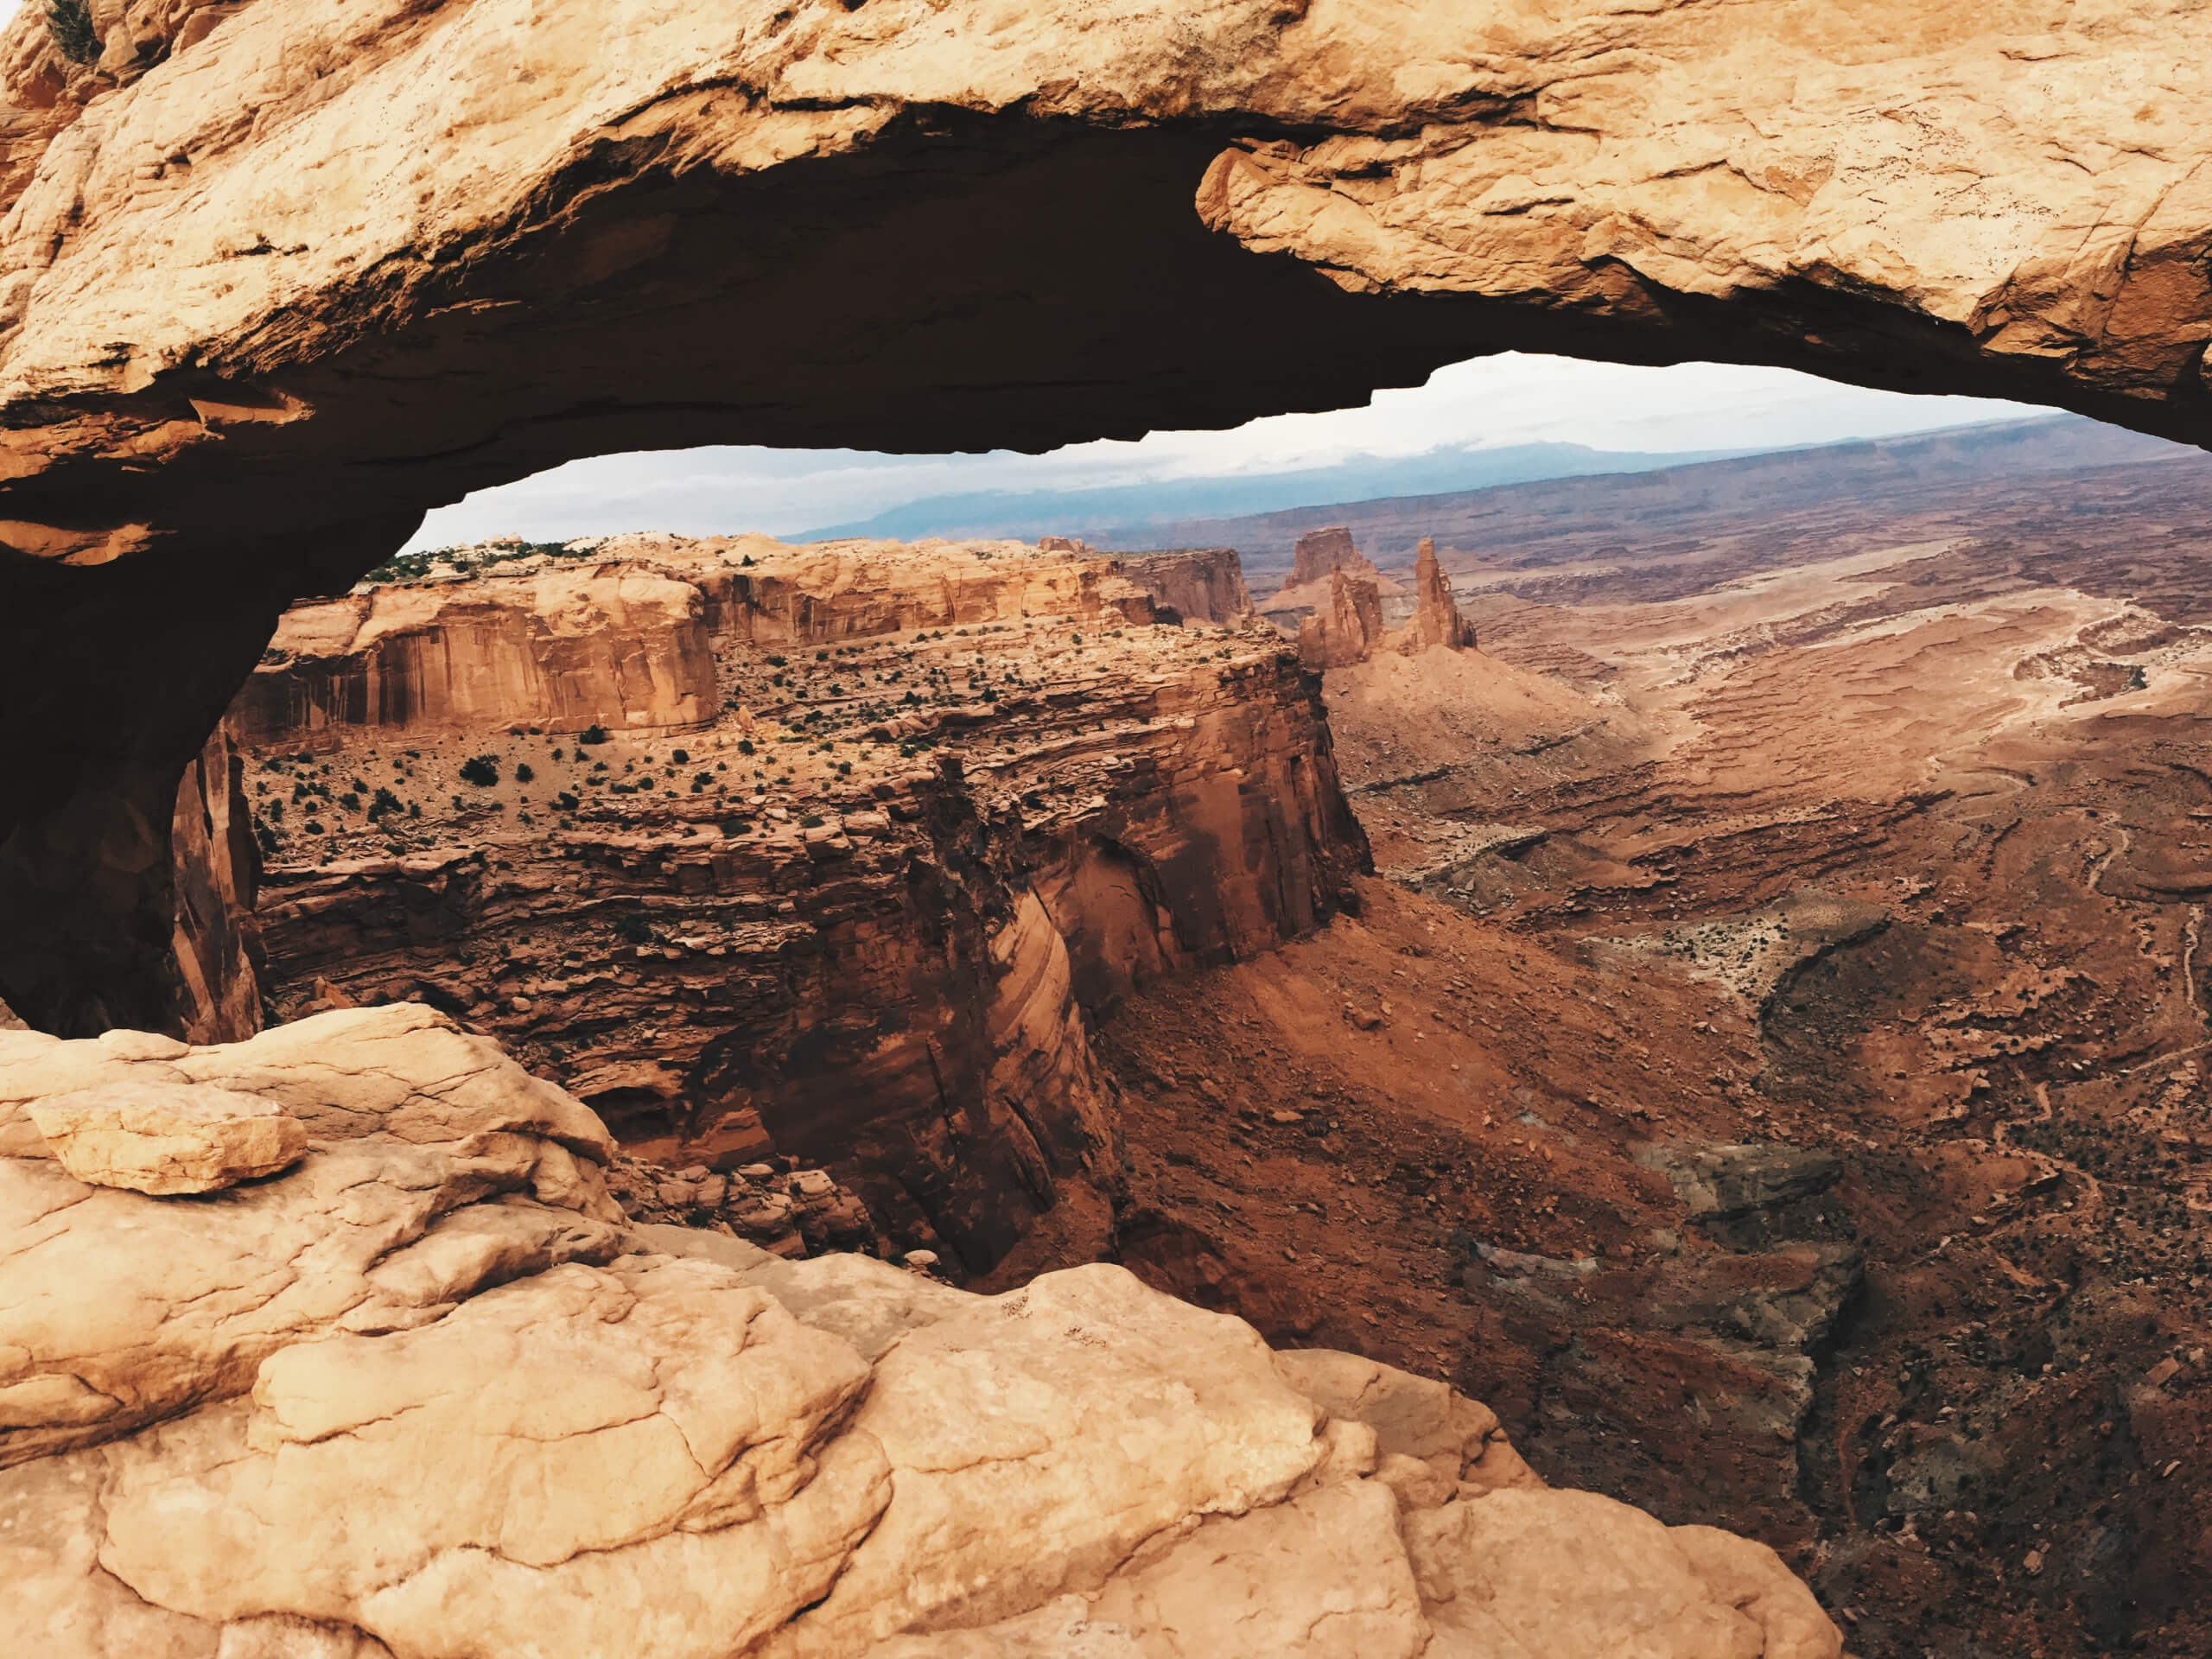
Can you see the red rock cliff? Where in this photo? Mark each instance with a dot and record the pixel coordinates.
(599, 644)
(865, 919)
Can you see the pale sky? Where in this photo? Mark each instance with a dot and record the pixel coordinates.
(1487, 402)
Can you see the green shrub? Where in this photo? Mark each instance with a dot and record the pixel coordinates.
(634, 929)
(680, 757)
(811, 820)
(314, 827)
(69, 24)
(386, 801)
(482, 769)
(593, 733)
(702, 781)
(523, 773)
(566, 802)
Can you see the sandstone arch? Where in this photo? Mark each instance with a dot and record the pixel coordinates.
(271, 285)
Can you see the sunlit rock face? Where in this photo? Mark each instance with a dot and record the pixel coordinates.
(428, 1394)
(927, 812)
(531, 235)
(570, 649)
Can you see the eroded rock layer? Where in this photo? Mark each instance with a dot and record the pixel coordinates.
(943, 806)
(1785, 1096)
(805, 225)
(428, 1395)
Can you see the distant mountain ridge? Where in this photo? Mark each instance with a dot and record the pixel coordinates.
(1134, 512)
(1641, 502)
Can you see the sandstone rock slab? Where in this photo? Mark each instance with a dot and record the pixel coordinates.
(168, 1137)
(1571, 1575)
(412, 1400)
(634, 1460)
(435, 1167)
(1081, 1415)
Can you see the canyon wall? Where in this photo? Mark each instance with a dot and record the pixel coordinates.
(1201, 585)
(760, 592)
(223, 392)
(562, 649)
(957, 845)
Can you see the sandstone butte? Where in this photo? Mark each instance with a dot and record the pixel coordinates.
(430, 1395)
(276, 276)
(1336, 595)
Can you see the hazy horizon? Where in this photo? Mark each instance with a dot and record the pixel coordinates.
(1488, 403)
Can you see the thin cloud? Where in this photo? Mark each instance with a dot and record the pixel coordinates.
(1488, 402)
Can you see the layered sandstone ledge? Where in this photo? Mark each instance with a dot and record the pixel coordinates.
(427, 1395)
(927, 812)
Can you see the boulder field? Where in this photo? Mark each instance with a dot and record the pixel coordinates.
(428, 1394)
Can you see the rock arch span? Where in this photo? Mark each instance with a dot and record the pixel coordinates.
(271, 286)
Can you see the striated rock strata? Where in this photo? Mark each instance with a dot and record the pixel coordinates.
(428, 1396)
(224, 391)
(1200, 584)
(956, 802)
(562, 649)
(1348, 628)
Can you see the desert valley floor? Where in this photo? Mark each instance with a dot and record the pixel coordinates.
(1749, 1029)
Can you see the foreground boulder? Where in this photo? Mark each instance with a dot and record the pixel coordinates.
(428, 1394)
(167, 1138)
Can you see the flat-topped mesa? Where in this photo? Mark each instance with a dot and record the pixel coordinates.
(1320, 552)
(607, 644)
(951, 801)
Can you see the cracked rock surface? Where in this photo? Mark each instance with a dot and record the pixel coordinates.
(427, 1396)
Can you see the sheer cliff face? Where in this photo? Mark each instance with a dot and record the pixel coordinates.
(561, 651)
(672, 227)
(1319, 552)
(863, 912)
(1206, 585)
